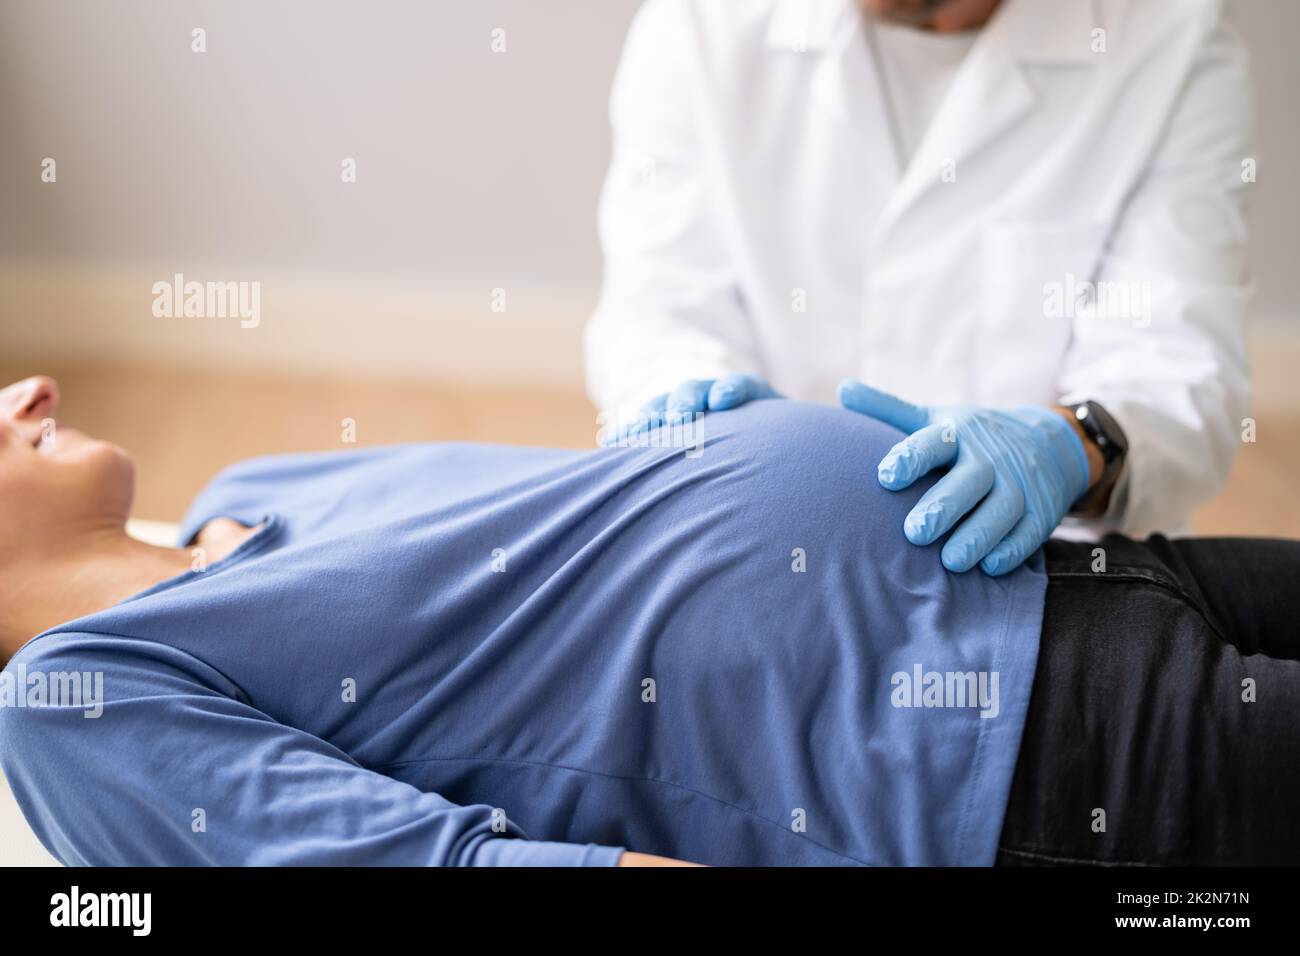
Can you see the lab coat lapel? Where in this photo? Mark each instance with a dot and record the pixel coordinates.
(849, 84)
(845, 86)
(991, 92)
(804, 26)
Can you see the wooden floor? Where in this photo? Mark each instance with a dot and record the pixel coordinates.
(183, 426)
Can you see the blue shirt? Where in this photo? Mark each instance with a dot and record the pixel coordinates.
(470, 654)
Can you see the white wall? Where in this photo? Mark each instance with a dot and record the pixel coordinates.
(18, 844)
(476, 171)
(1272, 31)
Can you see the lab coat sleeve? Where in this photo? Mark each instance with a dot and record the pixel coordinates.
(176, 772)
(1176, 379)
(669, 308)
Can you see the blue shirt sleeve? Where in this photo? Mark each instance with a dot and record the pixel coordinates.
(242, 789)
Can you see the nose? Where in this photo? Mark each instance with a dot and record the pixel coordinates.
(26, 404)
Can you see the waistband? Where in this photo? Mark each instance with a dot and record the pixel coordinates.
(1120, 559)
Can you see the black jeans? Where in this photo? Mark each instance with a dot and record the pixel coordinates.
(1164, 723)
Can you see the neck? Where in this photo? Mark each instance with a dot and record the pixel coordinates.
(49, 585)
(952, 16)
(961, 15)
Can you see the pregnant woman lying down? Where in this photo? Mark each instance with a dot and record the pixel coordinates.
(468, 654)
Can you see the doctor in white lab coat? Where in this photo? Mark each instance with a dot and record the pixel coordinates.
(971, 205)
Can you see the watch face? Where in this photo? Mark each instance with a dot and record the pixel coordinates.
(1105, 431)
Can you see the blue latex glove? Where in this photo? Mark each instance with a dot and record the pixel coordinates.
(1015, 472)
(698, 396)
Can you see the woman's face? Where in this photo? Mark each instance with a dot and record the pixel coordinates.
(53, 477)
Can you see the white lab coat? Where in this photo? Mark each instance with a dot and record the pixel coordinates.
(754, 219)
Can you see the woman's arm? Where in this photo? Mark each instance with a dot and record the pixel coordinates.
(175, 771)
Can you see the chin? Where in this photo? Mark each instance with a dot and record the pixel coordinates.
(111, 471)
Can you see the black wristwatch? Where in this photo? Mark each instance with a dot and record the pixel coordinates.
(1104, 432)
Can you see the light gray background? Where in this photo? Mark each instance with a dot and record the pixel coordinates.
(476, 171)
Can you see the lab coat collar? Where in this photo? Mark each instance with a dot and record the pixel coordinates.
(1031, 31)
(992, 91)
(1048, 31)
(807, 26)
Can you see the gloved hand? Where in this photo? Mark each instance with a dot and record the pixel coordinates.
(1014, 473)
(700, 395)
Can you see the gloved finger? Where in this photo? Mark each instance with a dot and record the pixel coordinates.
(916, 455)
(985, 527)
(651, 415)
(952, 496)
(687, 400)
(648, 416)
(733, 390)
(866, 400)
(1011, 552)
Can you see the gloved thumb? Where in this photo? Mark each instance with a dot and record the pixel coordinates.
(866, 400)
